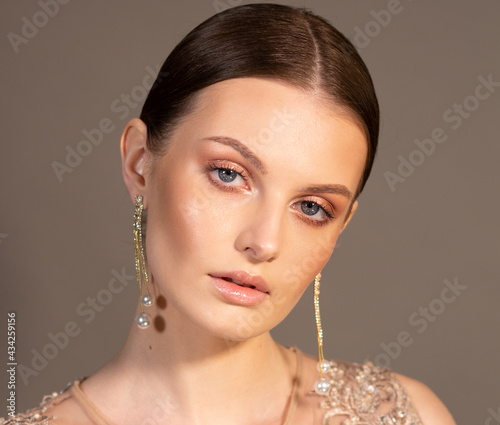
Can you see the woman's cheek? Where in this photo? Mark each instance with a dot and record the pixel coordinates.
(306, 259)
(323, 247)
(202, 196)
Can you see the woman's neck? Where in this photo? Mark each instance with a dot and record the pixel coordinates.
(187, 375)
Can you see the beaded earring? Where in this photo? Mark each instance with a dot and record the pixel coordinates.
(143, 320)
(322, 385)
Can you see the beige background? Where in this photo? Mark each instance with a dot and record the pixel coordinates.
(61, 240)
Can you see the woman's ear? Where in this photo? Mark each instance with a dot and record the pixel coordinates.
(133, 153)
(351, 212)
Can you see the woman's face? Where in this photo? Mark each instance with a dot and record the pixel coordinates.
(255, 187)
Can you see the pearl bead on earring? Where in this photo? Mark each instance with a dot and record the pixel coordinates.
(143, 320)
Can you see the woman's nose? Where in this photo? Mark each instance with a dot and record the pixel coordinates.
(261, 235)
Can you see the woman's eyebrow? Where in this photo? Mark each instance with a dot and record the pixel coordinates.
(338, 189)
(241, 148)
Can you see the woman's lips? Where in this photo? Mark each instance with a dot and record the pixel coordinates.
(240, 287)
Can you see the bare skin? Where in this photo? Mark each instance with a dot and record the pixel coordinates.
(248, 182)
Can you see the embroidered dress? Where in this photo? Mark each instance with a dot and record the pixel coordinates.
(365, 394)
(359, 394)
(37, 415)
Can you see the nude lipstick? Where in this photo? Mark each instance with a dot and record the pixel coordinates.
(241, 287)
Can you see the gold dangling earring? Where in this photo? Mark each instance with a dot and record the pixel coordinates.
(322, 385)
(143, 320)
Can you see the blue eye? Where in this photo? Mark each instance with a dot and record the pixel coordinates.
(227, 175)
(315, 213)
(309, 207)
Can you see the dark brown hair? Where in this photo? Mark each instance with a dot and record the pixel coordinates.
(263, 40)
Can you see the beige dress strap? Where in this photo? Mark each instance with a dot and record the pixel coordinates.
(90, 408)
(297, 378)
(95, 414)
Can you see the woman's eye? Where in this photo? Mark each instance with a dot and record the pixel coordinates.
(309, 207)
(227, 175)
(315, 212)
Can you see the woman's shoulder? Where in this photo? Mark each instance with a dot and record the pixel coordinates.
(367, 393)
(58, 408)
(430, 408)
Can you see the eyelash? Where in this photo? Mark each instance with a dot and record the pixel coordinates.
(213, 166)
(329, 216)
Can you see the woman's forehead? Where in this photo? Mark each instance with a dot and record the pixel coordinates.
(270, 108)
(280, 121)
